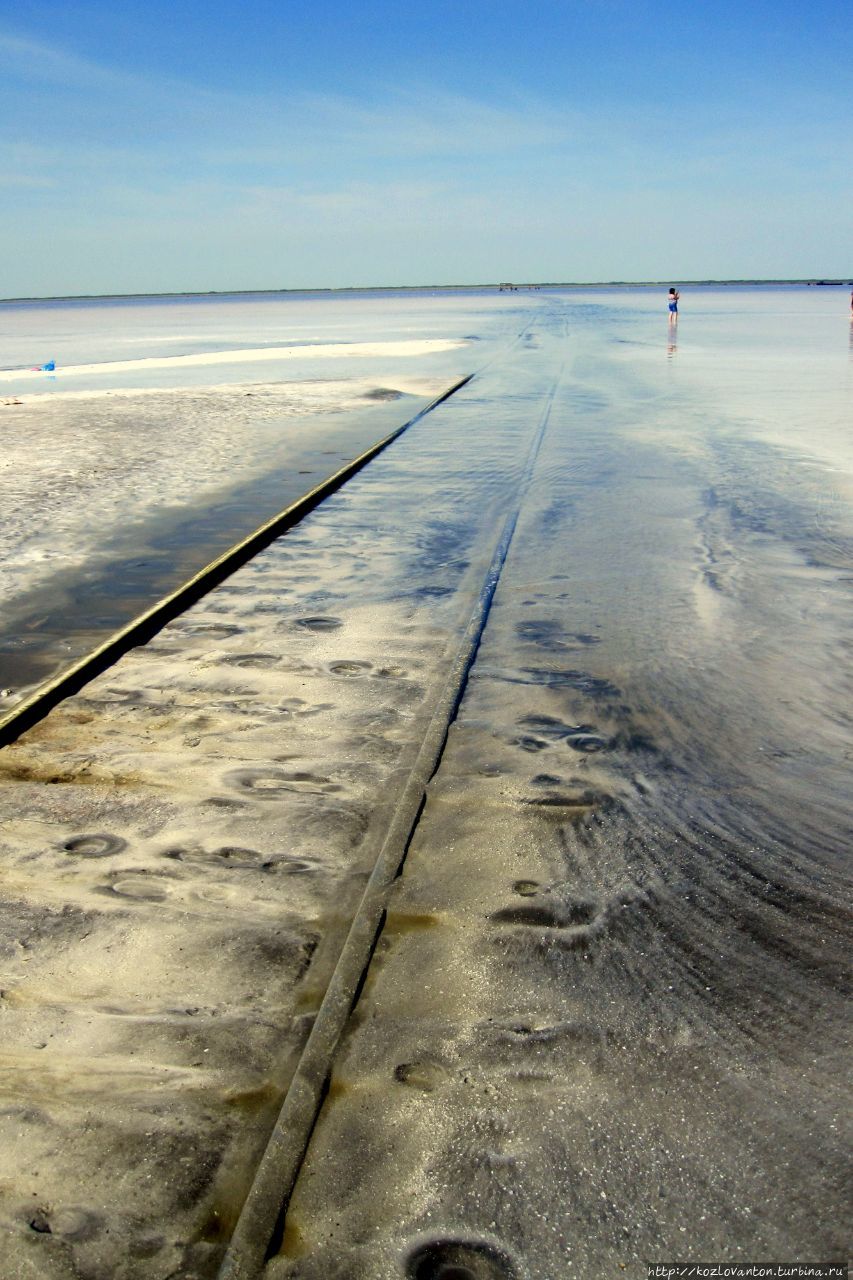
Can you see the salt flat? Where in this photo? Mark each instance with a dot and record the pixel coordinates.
(241, 355)
(112, 469)
(605, 1019)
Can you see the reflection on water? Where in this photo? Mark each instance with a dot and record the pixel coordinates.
(608, 1007)
(633, 855)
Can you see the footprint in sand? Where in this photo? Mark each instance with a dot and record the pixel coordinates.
(95, 846)
(350, 668)
(460, 1259)
(580, 737)
(139, 887)
(425, 1075)
(261, 660)
(269, 783)
(550, 635)
(550, 914)
(212, 630)
(318, 623)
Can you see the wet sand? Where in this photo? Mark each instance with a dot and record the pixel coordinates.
(89, 464)
(605, 1024)
(185, 843)
(147, 488)
(605, 1021)
(171, 428)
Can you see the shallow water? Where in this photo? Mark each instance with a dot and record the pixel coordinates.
(605, 1020)
(100, 331)
(119, 483)
(183, 844)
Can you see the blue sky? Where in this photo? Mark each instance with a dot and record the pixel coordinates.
(154, 147)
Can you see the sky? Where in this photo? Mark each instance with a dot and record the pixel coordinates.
(192, 146)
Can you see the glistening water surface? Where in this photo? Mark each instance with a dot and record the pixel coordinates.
(605, 1020)
(130, 466)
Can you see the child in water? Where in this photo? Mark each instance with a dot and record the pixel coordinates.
(672, 302)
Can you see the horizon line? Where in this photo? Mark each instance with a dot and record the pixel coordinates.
(412, 288)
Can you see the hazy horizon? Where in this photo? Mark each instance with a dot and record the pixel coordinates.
(519, 285)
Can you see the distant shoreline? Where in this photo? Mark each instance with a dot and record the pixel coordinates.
(419, 288)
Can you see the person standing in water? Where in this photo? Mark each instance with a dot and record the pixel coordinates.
(672, 303)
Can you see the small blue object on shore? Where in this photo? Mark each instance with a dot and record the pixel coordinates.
(49, 367)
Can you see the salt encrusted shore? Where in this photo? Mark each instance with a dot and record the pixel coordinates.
(604, 1022)
(173, 910)
(77, 467)
(404, 347)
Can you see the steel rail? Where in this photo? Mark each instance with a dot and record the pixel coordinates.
(260, 1226)
(145, 625)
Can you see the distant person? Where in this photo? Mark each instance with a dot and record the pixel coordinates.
(672, 303)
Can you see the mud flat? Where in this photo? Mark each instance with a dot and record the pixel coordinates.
(605, 1021)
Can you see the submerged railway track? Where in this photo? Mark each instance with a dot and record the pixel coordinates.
(39, 701)
(51, 758)
(350, 938)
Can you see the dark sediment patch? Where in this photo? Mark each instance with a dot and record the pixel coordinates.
(319, 622)
(460, 1259)
(95, 846)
